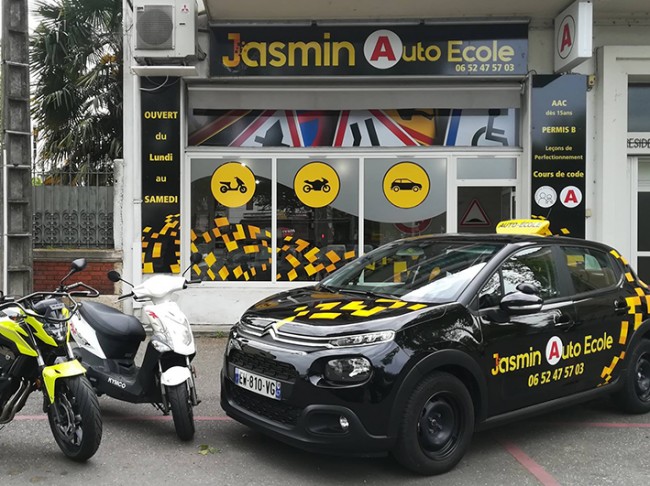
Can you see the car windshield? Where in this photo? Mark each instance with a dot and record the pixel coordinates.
(416, 271)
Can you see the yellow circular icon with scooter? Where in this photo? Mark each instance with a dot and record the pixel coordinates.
(233, 184)
(406, 185)
(316, 184)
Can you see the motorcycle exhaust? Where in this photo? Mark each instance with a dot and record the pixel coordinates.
(16, 403)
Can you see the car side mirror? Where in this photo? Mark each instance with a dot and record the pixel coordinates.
(521, 302)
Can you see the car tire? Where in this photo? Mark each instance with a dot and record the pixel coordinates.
(634, 397)
(436, 426)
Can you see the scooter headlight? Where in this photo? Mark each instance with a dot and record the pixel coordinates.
(160, 346)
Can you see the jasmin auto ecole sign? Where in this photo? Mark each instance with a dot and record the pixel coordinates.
(476, 50)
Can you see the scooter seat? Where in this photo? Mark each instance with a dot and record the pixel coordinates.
(111, 322)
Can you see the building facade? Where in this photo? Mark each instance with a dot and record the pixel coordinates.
(281, 149)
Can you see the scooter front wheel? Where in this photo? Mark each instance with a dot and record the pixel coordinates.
(182, 412)
(75, 418)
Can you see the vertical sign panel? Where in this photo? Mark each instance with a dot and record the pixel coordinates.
(161, 123)
(558, 151)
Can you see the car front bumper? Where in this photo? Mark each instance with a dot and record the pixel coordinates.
(314, 428)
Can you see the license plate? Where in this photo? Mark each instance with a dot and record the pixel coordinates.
(258, 384)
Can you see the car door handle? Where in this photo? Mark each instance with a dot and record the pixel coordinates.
(620, 306)
(563, 321)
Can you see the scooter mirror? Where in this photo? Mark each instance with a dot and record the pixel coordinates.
(114, 276)
(78, 265)
(196, 258)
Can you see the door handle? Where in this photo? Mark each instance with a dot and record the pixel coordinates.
(563, 321)
(620, 306)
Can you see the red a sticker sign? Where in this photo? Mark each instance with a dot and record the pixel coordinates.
(383, 49)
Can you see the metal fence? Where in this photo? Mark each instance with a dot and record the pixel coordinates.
(73, 209)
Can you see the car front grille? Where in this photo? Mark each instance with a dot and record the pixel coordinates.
(275, 410)
(264, 366)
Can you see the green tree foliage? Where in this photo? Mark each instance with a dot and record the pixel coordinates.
(76, 63)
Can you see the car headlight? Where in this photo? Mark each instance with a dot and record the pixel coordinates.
(362, 339)
(348, 370)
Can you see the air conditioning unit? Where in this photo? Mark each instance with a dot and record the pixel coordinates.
(164, 29)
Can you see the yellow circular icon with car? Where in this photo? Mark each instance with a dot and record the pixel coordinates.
(233, 184)
(316, 184)
(406, 185)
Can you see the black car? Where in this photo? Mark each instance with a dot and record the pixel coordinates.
(413, 346)
(405, 184)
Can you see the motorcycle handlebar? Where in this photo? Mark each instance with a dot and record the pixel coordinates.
(30, 298)
(125, 296)
(88, 292)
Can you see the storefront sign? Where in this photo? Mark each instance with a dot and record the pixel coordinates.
(477, 50)
(413, 127)
(161, 124)
(558, 136)
(573, 35)
(638, 143)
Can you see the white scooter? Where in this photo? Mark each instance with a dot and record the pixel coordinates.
(108, 341)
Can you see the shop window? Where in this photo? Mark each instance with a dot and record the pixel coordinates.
(231, 219)
(317, 216)
(403, 197)
(638, 108)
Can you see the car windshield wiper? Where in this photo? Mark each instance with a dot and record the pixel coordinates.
(327, 288)
(368, 293)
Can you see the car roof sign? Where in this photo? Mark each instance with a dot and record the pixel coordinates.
(524, 227)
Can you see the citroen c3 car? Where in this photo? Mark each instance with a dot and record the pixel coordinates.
(410, 348)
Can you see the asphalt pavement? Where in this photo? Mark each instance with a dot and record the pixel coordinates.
(591, 444)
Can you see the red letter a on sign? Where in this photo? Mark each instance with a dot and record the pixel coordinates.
(566, 38)
(554, 352)
(571, 197)
(383, 49)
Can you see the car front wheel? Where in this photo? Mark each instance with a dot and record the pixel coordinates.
(634, 397)
(437, 425)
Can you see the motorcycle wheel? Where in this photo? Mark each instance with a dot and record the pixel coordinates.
(223, 189)
(75, 419)
(182, 412)
(326, 188)
(306, 188)
(243, 189)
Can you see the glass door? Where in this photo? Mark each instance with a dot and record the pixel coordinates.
(642, 220)
(483, 193)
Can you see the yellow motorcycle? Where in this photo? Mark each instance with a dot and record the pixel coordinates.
(35, 354)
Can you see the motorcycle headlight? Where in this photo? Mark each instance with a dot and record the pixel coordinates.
(348, 370)
(362, 339)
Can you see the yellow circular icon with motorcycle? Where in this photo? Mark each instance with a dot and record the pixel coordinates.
(406, 185)
(233, 184)
(316, 184)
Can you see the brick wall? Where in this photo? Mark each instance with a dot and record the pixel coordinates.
(50, 266)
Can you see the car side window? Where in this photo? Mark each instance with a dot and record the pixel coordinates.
(591, 269)
(534, 265)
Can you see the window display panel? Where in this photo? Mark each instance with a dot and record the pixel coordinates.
(231, 219)
(317, 216)
(403, 197)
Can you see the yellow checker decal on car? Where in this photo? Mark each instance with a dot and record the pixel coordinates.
(357, 308)
(639, 309)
